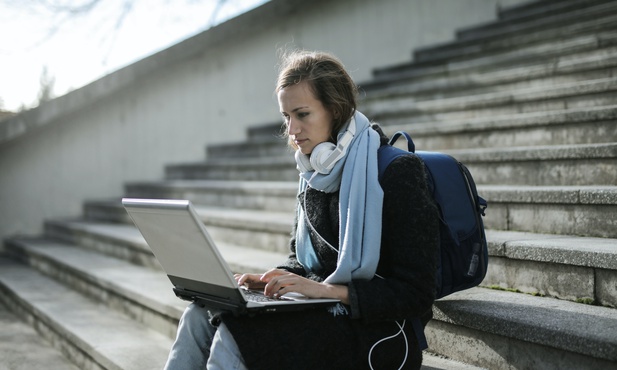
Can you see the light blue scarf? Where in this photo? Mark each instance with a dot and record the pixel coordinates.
(360, 208)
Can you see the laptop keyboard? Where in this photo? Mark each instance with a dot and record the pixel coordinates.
(257, 296)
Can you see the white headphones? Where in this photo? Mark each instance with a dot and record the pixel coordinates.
(326, 154)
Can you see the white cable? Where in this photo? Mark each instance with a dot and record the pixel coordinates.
(381, 277)
(370, 364)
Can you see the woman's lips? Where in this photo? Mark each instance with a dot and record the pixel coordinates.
(299, 142)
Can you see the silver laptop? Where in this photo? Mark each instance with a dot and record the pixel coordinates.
(193, 263)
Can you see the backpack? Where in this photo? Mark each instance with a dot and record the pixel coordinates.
(463, 247)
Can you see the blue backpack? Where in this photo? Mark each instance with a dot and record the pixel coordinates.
(463, 247)
(462, 241)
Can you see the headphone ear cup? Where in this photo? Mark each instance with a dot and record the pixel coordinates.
(303, 163)
(321, 153)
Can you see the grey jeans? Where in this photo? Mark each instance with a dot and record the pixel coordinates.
(199, 345)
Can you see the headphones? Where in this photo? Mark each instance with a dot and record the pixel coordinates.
(326, 154)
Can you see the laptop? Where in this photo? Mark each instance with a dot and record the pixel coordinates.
(194, 265)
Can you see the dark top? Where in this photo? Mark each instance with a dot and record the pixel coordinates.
(317, 339)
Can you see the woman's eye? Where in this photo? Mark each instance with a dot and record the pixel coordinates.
(302, 114)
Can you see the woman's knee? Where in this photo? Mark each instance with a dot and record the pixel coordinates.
(195, 315)
(195, 321)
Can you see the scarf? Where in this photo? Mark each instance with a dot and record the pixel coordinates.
(360, 208)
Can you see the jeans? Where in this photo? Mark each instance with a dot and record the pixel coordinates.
(199, 345)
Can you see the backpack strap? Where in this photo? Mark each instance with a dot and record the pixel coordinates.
(411, 147)
(387, 153)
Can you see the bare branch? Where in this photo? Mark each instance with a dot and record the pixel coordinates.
(71, 9)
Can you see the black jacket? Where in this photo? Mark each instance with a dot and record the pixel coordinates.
(317, 339)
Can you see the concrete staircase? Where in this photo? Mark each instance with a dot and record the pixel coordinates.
(528, 103)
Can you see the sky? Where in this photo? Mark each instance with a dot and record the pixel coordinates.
(76, 47)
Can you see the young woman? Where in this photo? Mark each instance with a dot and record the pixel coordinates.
(372, 245)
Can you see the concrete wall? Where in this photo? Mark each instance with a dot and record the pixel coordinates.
(168, 107)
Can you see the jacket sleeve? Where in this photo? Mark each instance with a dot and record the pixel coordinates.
(409, 249)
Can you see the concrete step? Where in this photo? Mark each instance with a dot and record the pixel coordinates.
(538, 9)
(570, 268)
(597, 61)
(554, 165)
(488, 313)
(265, 131)
(565, 49)
(591, 125)
(523, 51)
(575, 164)
(91, 335)
(22, 348)
(553, 27)
(279, 168)
(123, 241)
(485, 89)
(416, 108)
(545, 19)
(528, 262)
(267, 146)
(269, 231)
(503, 330)
(413, 107)
(119, 285)
(588, 210)
(565, 165)
(140, 292)
(563, 210)
(431, 361)
(570, 126)
(278, 196)
(143, 294)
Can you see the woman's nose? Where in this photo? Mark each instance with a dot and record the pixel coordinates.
(292, 127)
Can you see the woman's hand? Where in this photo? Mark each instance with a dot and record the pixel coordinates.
(257, 281)
(279, 282)
(251, 281)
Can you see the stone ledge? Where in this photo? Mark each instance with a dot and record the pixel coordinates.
(74, 323)
(499, 29)
(563, 195)
(519, 121)
(537, 153)
(538, 8)
(275, 222)
(425, 79)
(24, 349)
(567, 326)
(140, 292)
(284, 188)
(415, 102)
(461, 48)
(570, 250)
(269, 196)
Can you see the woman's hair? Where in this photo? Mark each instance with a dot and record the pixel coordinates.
(327, 79)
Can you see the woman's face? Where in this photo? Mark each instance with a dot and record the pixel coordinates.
(308, 122)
